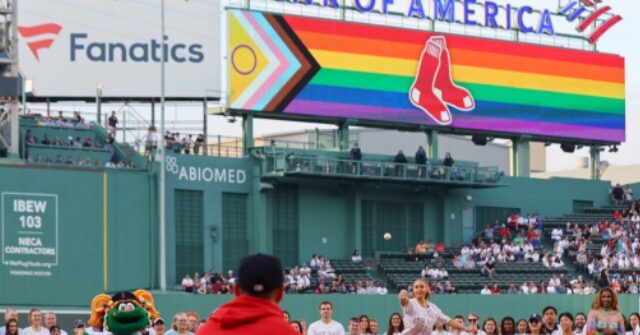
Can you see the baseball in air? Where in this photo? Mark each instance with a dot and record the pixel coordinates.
(387, 236)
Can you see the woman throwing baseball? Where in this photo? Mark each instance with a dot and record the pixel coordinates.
(419, 314)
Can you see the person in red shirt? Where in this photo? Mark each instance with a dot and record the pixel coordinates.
(255, 309)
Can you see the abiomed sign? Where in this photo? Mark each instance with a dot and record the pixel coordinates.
(204, 174)
(29, 233)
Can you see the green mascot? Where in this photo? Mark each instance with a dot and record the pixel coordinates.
(124, 313)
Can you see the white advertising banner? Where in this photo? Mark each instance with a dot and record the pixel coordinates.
(69, 47)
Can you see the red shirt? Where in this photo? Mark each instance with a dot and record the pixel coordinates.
(247, 315)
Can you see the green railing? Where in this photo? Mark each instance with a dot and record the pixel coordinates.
(278, 163)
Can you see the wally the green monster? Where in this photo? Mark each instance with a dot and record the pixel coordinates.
(124, 313)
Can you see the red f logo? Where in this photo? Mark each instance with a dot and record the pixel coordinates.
(36, 43)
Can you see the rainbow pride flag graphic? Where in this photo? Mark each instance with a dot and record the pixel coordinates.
(342, 70)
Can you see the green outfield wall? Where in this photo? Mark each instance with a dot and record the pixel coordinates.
(68, 234)
(219, 209)
(380, 307)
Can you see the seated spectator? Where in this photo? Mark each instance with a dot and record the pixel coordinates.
(512, 289)
(49, 160)
(556, 234)
(97, 144)
(421, 250)
(557, 263)
(57, 141)
(78, 142)
(69, 160)
(488, 232)
(81, 124)
(355, 257)
(69, 142)
(87, 142)
(495, 289)
(485, 290)
(489, 269)
(187, 283)
(110, 164)
(131, 165)
(45, 140)
(108, 144)
(67, 124)
(38, 159)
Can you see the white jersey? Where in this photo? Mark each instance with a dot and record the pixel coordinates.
(31, 331)
(321, 328)
(419, 320)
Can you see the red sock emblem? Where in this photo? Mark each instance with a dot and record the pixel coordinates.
(433, 87)
(421, 93)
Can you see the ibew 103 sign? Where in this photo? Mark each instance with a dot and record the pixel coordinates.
(445, 10)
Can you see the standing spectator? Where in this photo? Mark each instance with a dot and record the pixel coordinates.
(535, 324)
(35, 324)
(374, 326)
(605, 317)
(354, 327)
(634, 324)
(490, 326)
(617, 195)
(158, 326)
(326, 325)
(29, 138)
(522, 327)
(355, 257)
(421, 161)
(10, 328)
(400, 161)
(10, 313)
(199, 143)
(396, 326)
(549, 316)
(507, 326)
(51, 320)
(255, 308)
(180, 325)
(193, 318)
(356, 155)
(112, 123)
(566, 324)
(365, 325)
(580, 322)
(628, 193)
(448, 160)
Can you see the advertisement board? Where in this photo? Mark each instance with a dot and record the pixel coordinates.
(304, 66)
(68, 48)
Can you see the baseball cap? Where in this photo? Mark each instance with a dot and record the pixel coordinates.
(535, 317)
(78, 323)
(158, 321)
(260, 273)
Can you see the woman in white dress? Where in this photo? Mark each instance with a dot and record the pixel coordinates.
(420, 315)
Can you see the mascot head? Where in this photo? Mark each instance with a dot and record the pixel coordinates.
(124, 313)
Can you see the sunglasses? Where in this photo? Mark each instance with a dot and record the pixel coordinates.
(473, 320)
